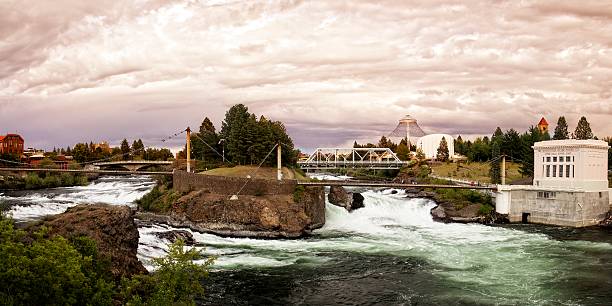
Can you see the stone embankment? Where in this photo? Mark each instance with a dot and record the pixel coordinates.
(111, 227)
(263, 209)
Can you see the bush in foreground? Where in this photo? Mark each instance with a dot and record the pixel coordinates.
(37, 270)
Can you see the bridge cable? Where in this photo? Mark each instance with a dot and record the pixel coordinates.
(255, 172)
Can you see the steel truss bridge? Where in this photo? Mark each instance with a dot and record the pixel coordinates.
(365, 158)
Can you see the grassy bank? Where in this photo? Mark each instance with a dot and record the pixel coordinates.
(36, 180)
(474, 171)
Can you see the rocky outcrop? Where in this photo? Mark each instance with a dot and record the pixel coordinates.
(607, 222)
(112, 227)
(175, 235)
(456, 212)
(348, 200)
(267, 216)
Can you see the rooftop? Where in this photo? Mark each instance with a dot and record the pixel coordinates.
(572, 143)
(543, 122)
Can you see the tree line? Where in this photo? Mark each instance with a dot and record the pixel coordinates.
(244, 139)
(87, 152)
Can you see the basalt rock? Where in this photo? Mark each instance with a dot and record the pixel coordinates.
(175, 235)
(265, 216)
(607, 222)
(112, 227)
(348, 200)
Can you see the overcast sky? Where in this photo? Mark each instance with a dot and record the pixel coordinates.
(333, 71)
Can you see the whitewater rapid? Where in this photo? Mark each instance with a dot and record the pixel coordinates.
(483, 262)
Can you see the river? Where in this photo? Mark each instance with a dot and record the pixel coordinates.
(388, 253)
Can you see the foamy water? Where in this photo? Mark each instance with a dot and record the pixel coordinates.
(483, 264)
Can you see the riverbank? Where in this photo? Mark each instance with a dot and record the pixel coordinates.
(42, 180)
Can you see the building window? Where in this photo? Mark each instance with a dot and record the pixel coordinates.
(554, 174)
(554, 159)
(567, 170)
(548, 159)
(567, 158)
(573, 171)
(546, 195)
(547, 170)
(560, 159)
(560, 170)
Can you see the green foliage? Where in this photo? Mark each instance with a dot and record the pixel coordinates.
(248, 140)
(485, 210)
(442, 154)
(37, 270)
(125, 149)
(495, 171)
(583, 129)
(52, 180)
(298, 193)
(176, 281)
(561, 131)
(48, 271)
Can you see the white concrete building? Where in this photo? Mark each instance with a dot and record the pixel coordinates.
(570, 185)
(429, 145)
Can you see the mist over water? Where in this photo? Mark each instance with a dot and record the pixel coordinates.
(390, 252)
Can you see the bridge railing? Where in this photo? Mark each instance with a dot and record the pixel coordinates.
(375, 158)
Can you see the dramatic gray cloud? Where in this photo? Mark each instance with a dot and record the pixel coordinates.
(333, 71)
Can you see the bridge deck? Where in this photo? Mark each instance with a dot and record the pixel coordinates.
(391, 185)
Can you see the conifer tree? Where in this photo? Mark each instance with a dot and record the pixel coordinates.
(125, 149)
(583, 129)
(495, 170)
(443, 154)
(561, 131)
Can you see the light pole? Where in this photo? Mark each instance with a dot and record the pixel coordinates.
(222, 141)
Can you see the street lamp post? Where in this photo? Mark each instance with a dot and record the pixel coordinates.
(222, 141)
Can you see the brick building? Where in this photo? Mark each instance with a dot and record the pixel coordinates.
(11, 144)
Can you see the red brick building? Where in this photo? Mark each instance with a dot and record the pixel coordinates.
(11, 144)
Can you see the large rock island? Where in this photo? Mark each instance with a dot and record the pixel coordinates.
(262, 208)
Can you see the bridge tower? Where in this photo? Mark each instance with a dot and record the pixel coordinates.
(188, 149)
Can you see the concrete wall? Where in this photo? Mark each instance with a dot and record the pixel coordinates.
(185, 182)
(575, 209)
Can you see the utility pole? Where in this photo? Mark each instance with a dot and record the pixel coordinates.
(503, 170)
(188, 149)
(279, 172)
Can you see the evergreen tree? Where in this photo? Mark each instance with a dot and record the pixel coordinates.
(497, 135)
(528, 139)
(402, 151)
(583, 130)
(233, 130)
(442, 154)
(125, 149)
(207, 126)
(459, 145)
(561, 131)
(420, 155)
(495, 170)
(510, 143)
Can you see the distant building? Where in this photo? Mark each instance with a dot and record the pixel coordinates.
(429, 145)
(543, 125)
(11, 144)
(570, 185)
(31, 151)
(104, 146)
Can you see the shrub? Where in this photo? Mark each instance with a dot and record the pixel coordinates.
(298, 193)
(485, 210)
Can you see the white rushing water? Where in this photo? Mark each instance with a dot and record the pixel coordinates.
(490, 261)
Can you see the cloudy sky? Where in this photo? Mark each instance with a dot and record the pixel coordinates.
(333, 71)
